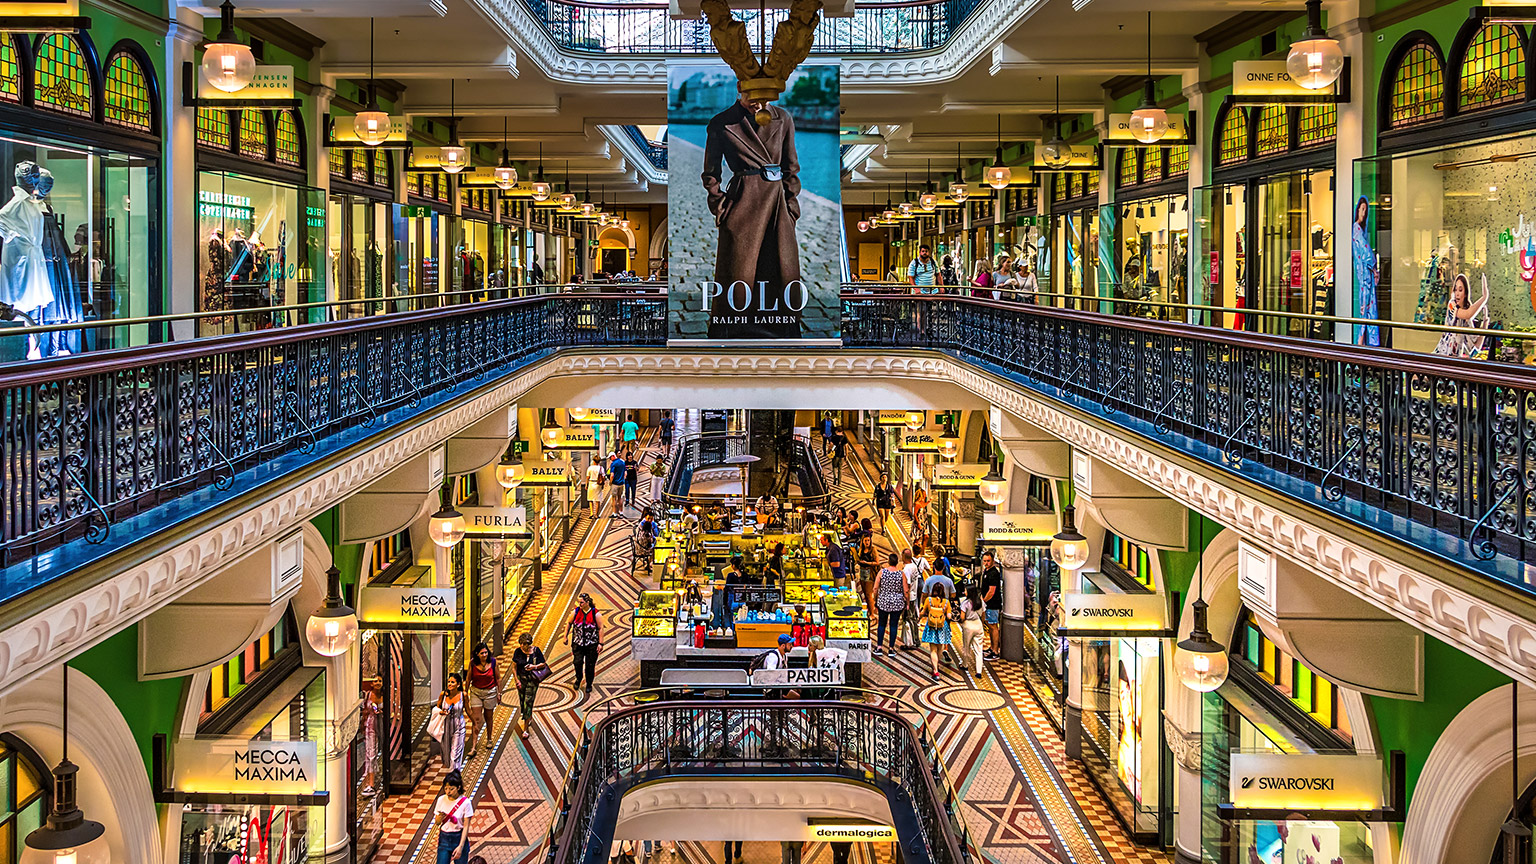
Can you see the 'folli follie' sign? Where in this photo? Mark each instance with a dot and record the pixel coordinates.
(546, 474)
(1118, 130)
(234, 766)
(396, 604)
(1017, 528)
(1121, 614)
(921, 441)
(1306, 782)
(498, 521)
(964, 475)
(1267, 81)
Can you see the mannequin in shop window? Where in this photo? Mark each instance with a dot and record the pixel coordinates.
(67, 306)
(24, 280)
(216, 277)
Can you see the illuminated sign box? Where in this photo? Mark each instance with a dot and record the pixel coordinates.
(267, 82)
(1264, 82)
(843, 832)
(1115, 614)
(499, 521)
(891, 418)
(921, 441)
(1118, 131)
(1028, 528)
(233, 766)
(391, 604)
(550, 474)
(1306, 782)
(574, 439)
(965, 475)
(594, 416)
(1082, 157)
(343, 133)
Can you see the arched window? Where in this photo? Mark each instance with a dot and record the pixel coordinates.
(1318, 124)
(23, 796)
(1493, 68)
(1129, 176)
(1090, 182)
(213, 128)
(338, 160)
(286, 134)
(127, 96)
(1418, 89)
(61, 78)
(10, 70)
(1274, 132)
(1178, 161)
(254, 143)
(1232, 137)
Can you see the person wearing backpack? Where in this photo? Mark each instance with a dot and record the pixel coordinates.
(935, 626)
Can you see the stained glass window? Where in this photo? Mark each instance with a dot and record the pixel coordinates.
(1232, 138)
(10, 70)
(213, 128)
(286, 133)
(61, 80)
(1128, 173)
(383, 167)
(1318, 124)
(1418, 90)
(1493, 70)
(253, 134)
(1152, 165)
(23, 800)
(338, 160)
(413, 183)
(361, 160)
(1090, 182)
(1309, 691)
(1274, 131)
(127, 94)
(1178, 161)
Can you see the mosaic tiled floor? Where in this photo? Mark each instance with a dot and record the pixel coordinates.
(1025, 802)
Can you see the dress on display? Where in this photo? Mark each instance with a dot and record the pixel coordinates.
(67, 306)
(213, 277)
(23, 272)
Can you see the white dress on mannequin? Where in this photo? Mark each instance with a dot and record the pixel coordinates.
(23, 272)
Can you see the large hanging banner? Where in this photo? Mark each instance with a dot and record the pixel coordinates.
(754, 210)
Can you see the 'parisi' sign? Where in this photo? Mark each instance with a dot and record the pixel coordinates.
(234, 766)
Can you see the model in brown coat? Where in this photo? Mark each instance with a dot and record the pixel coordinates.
(758, 256)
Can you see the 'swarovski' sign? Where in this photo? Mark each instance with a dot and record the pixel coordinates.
(389, 604)
(234, 766)
(1290, 781)
(1121, 612)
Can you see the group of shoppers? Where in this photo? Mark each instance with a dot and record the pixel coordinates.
(1004, 278)
(916, 601)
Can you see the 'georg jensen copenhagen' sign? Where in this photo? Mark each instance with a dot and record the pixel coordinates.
(1130, 614)
(388, 604)
(233, 766)
(1302, 782)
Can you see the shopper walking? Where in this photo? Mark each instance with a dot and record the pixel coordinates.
(948, 276)
(484, 696)
(631, 430)
(992, 593)
(869, 568)
(936, 635)
(885, 499)
(981, 276)
(531, 668)
(658, 483)
(631, 479)
(616, 470)
(450, 705)
(913, 620)
(453, 811)
(972, 634)
(667, 425)
(890, 601)
(597, 478)
(584, 635)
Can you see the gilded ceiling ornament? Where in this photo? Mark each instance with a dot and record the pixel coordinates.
(763, 80)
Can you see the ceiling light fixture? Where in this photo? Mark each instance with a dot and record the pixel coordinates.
(1149, 122)
(587, 208)
(1069, 548)
(568, 198)
(1200, 661)
(446, 527)
(505, 175)
(1056, 153)
(67, 837)
(928, 200)
(889, 215)
(993, 488)
(958, 190)
(452, 158)
(540, 187)
(999, 175)
(1316, 59)
(371, 124)
(228, 63)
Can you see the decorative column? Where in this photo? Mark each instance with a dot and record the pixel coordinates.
(1356, 119)
(320, 174)
(342, 693)
(178, 171)
(967, 523)
(1185, 747)
(1013, 623)
(1198, 264)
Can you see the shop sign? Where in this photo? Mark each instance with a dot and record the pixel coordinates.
(477, 176)
(1082, 157)
(548, 474)
(1017, 527)
(921, 441)
(244, 767)
(267, 82)
(1306, 781)
(39, 8)
(389, 604)
(226, 208)
(966, 475)
(344, 134)
(995, 422)
(755, 594)
(1269, 78)
(1127, 613)
(854, 833)
(575, 439)
(595, 416)
(1119, 129)
(891, 418)
(501, 521)
(815, 676)
(1215, 269)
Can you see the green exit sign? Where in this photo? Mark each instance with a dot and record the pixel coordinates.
(411, 211)
(519, 447)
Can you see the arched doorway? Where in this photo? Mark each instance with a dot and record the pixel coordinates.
(614, 247)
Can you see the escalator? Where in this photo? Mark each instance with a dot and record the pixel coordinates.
(794, 476)
(805, 740)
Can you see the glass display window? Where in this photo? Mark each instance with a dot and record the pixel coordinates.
(418, 253)
(1295, 257)
(471, 254)
(260, 246)
(1153, 254)
(1076, 250)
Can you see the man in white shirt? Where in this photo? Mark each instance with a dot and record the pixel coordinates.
(910, 622)
(779, 657)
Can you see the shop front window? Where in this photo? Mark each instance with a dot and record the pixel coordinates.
(260, 249)
(1154, 255)
(1122, 728)
(23, 796)
(1296, 264)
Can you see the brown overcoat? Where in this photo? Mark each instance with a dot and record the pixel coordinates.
(755, 215)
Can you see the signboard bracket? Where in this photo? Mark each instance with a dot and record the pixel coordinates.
(1396, 809)
(189, 97)
(160, 772)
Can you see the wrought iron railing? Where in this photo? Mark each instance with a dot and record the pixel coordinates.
(1445, 443)
(613, 27)
(654, 151)
(843, 740)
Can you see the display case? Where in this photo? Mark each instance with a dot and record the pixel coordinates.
(656, 616)
(845, 615)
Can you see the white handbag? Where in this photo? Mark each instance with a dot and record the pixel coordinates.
(436, 723)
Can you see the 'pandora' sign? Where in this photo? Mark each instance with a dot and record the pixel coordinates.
(234, 766)
(389, 604)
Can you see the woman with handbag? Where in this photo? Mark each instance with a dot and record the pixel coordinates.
(531, 668)
(448, 720)
(484, 695)
(585, 635)
(453, 811)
